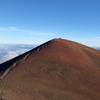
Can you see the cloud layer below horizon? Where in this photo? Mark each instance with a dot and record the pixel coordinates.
(8, 52)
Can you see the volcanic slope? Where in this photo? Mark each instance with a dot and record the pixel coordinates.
(56, 70)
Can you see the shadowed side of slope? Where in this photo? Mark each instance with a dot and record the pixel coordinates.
(10, 64)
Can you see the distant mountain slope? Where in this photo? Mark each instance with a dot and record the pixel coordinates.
(56, 70)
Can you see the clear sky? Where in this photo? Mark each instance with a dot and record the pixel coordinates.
(37, 21)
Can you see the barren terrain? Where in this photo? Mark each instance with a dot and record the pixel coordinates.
(56, 70)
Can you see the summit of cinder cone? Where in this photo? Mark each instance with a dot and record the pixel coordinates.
(56, 70)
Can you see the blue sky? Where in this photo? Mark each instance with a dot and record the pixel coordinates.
(37, 21)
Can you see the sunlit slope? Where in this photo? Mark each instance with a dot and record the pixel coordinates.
(56, 70)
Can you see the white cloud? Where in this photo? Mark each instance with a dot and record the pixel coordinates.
(13, 28)
(8, 55)
(30, 32)
(20, 51)
(40, 33)
(9, 51)
(8, 29)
